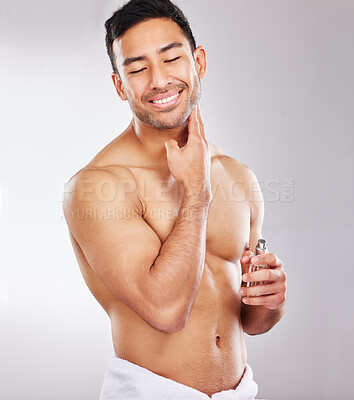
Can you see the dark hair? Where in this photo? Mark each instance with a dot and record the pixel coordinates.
(136, 11)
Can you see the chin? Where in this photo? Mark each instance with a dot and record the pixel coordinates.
(169, 123)
(165, 120)
(163, 125)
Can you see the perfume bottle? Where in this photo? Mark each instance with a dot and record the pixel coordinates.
(261, 248)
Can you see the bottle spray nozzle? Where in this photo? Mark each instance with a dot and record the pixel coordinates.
(261, 245)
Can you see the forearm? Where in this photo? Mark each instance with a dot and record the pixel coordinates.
(259, 319)
(176, 273)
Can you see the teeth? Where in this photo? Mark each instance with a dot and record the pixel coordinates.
(165, 100)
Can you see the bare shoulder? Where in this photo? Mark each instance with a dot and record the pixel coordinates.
(214, 150)
(117, 173)
(243, 176)
(101, 187)
(234, 168)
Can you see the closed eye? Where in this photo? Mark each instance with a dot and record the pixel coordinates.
(136, 72)
(174, 59)
(167, 61)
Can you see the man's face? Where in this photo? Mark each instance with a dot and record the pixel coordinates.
(159, 75)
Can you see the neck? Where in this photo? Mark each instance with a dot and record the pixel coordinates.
(152, 140)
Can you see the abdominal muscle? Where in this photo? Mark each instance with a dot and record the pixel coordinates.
(209, 354)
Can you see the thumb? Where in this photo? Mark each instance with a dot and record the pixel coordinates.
(246, 256)
(171, 146)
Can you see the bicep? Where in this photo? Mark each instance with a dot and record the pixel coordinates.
(118, 244)
(121, 251)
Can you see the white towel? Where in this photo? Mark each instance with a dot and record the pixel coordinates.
(125, 380)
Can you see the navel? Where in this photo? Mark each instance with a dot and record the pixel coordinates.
(217, 340)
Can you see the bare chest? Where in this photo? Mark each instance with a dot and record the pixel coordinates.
(228, 220)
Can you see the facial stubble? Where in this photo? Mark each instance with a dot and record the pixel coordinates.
(169, 120)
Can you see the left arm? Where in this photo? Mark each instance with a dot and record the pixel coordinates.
(266, 302)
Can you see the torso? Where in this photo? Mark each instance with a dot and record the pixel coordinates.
(209, 354)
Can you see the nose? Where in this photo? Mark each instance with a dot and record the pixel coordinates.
(159, 77)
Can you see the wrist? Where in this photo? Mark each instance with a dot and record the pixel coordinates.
(198, 197)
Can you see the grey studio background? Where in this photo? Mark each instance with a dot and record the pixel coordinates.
(278, 97)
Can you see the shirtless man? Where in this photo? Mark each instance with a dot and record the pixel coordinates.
(160, 220)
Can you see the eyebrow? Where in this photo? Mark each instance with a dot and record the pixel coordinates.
(170, 46)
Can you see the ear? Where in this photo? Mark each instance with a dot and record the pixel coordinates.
(200, 59)
(117, 82)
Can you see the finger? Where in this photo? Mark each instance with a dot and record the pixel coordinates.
(272, 301)
(264, 274)
(171, 147)
(201, 123)
(261, 290)
(193, 124)
(267, 258)
(246, 256)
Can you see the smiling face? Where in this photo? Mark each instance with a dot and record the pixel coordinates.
(159, 75)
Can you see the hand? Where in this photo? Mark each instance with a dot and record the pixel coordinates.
(272, 292)
(190, 165)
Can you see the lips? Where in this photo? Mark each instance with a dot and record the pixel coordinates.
(166, 100)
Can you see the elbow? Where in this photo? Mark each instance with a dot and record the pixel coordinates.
(261, 331)
(170, 328)
(255, 333)
(170, 322)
